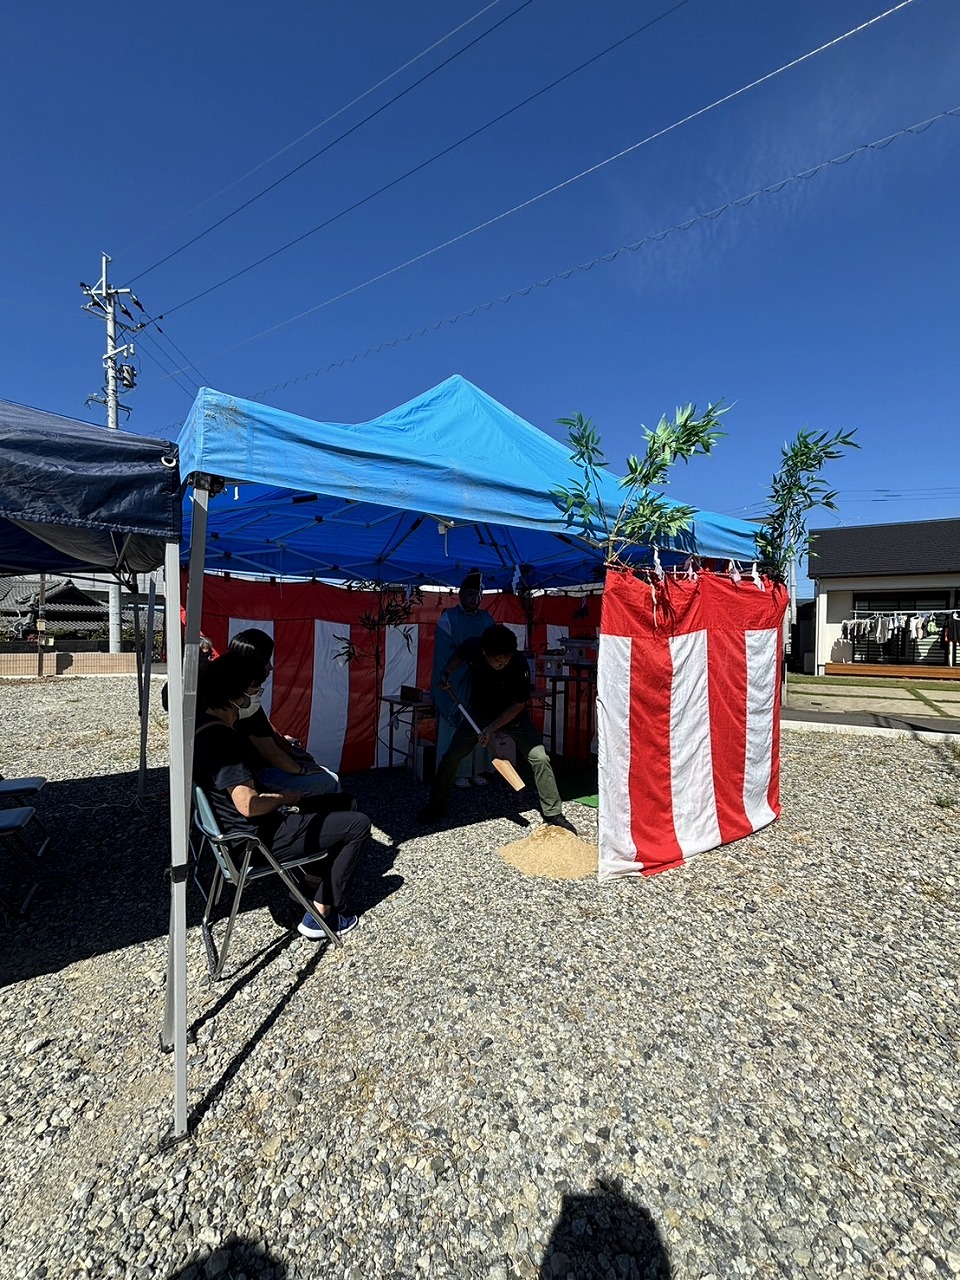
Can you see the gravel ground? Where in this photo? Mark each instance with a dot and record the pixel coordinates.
(744, 1068)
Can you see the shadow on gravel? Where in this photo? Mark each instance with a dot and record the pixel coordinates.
(602, 1234)
(102, 880)
(232, 1069)
(104, 885)
(236, 1256)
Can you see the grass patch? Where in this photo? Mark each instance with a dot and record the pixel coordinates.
(873, 682)
(934, 707)
(945, 802)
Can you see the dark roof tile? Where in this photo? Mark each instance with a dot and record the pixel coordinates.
(873, 550)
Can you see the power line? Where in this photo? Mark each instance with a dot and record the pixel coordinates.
(313, 129)
(481, 226)
(909, 497)
(176, 376)
(943, 493)
(773, 188)
(323, 150)
(429, 161)
(183, 355)
(741, 202)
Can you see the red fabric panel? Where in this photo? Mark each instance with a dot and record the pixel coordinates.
(726, 611)
(293, 608)
(773, 791)
(651, 794)
(360, 741)
(292, 676)
(727, 687)
(628, 611)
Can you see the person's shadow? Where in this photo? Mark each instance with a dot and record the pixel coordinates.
(236, 1256)
(603, 1233)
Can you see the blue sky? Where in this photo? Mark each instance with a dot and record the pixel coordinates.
(832, 304)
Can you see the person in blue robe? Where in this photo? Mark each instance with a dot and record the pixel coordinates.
(464, 621)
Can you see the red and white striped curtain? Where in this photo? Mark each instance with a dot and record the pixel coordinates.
(688, 717)
(333, 705)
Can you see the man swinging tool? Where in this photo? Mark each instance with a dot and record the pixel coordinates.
(498, 703)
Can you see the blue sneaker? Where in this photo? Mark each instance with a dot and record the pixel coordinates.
(310, 927)
(343, 924)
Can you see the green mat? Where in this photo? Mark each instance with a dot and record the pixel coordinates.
(578, 782)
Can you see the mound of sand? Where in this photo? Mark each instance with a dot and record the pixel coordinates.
(552, 853)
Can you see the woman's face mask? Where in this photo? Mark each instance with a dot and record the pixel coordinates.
(250, 703)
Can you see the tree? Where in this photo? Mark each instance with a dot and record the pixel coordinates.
(795, 491)
(644, 518)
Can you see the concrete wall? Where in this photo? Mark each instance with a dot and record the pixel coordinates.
(68, 664)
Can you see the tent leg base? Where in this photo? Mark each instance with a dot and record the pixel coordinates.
(171, 1139)
(164, 1047)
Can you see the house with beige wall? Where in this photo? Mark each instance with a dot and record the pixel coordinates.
(887, 599)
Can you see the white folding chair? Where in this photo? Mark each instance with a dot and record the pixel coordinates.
(233, 852)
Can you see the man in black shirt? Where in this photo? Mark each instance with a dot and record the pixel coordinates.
(499, 698)
(224, 766)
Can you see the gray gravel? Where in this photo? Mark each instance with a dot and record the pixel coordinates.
(744, 1068)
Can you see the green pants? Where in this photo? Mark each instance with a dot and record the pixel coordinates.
(529, 744)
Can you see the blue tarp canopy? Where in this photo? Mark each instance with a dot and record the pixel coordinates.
(449, 481)
(78, 497)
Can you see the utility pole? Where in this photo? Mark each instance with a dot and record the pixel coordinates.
(103, 304)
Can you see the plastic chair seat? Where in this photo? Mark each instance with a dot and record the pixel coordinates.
(10, 788)
(14, 824)
(233, 853)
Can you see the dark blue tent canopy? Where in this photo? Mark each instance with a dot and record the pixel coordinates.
(78, 497)
(449, 481)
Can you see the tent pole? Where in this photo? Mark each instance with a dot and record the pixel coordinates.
(136, 647)
(182, 691)
(145, 682)
(175, 1001)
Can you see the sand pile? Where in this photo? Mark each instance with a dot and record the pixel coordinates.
(553, 853)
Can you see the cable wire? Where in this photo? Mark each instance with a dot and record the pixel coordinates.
(313, 129)
(175, 375)
(445, 151)
(942, 493)
(183, 355)
(773, 188)
(330, 145)
(526, 204)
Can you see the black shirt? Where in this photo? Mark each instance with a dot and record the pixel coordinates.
(254, 726)
(223, 758)
(491, 692)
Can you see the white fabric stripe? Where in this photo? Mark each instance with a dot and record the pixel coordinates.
(691, 759)
(520, 631)
(400, 667)
(555, 715)
(762, 677)
(618, 852)
(242, 624)
(331, 695)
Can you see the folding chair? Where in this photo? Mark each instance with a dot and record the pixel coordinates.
(20, 788)
(233, 852)
(13, 827)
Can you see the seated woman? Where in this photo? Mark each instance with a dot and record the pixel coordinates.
(283, 763)
(224, 766)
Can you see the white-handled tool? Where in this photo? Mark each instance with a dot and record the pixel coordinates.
(503, 767)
